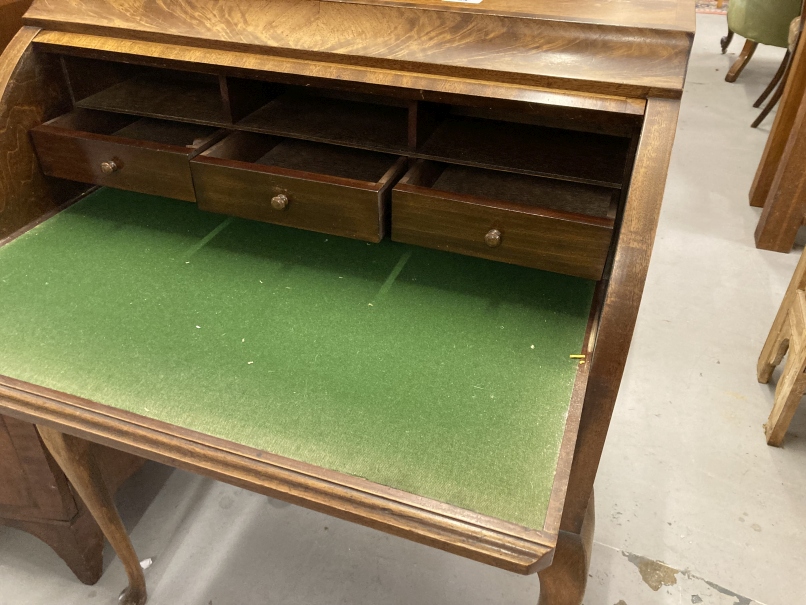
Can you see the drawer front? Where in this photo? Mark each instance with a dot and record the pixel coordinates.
(305, 203)
(138, 167)
(509, 235)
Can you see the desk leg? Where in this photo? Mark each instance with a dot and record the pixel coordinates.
(77, 461)
(564, 581)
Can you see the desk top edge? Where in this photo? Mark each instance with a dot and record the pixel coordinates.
(672, 15)
(509, 41)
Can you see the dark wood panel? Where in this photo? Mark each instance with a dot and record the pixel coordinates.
(173, 134)
(86, 76)
(149, 156)
(243, 96)
(529, 149)
(531, 191)
(327, 119)
(32, 90)
(229, 180)
(14, 492)
(165, 94)
(341, 162)
(46, 495)
(79, 157)
(622, 299)
(542, 239)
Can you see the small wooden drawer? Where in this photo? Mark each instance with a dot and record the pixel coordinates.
(314, 186)
(514, 218)
(122, 151)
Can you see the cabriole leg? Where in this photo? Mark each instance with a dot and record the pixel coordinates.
(564, 582)
(740, 63)
(77, 461)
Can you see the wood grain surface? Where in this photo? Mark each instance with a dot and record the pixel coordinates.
(625, 59)
(782, 126)
(72, 147)
(621, 303)
(663, 14)
(77, 459)
(242, 185)
(32, 90)
(348, 77)
(530, 236)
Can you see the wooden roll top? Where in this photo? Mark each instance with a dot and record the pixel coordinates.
(626, 48)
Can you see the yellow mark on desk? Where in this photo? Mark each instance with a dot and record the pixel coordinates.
(577, 356)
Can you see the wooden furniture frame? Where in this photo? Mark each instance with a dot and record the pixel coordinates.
(787, 337)
(779, 177)
(36, 497)
(607, 83)
(34, 493)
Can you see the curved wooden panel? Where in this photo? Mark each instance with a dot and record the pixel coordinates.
(32, 91)
(556, 52)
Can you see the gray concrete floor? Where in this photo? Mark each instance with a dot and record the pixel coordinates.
(692, 506)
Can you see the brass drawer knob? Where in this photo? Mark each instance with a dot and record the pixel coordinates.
(493, 238)
(109, 167)
(279, 202)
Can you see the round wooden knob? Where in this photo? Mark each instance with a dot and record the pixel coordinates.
(109, 167)
(279, 202)
(493, 238)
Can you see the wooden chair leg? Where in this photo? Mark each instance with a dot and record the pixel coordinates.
(773, 352)
(78, 463)
(773, 102)
(782, 68)
(725, 41)
(792, 384)
(740, 63)
(564, 581)
(788, 394)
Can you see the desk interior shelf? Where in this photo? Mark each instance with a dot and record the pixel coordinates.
(333, 160)
(169, 94)
(363, 121)
(172, 95)
(529, 149)
(572, 198)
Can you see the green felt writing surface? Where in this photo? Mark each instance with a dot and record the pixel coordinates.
(438, 374)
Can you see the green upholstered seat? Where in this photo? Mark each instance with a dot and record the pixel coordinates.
(442, 375)
(763, 21)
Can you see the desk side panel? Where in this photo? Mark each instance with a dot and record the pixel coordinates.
(32, 91)
(622, 301)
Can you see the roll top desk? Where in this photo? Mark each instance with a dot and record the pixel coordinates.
(415, 173)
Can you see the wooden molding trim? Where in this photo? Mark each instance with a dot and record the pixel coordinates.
(492, 541)
(622, 300)
(32, 91)
(258, 65)
(525, 49)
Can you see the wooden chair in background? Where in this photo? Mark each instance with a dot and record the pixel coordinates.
(787, 337)
(759, 22)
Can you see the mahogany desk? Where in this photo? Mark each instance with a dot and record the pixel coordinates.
(343, 253)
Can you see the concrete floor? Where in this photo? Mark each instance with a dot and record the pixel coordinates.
(692, 506)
